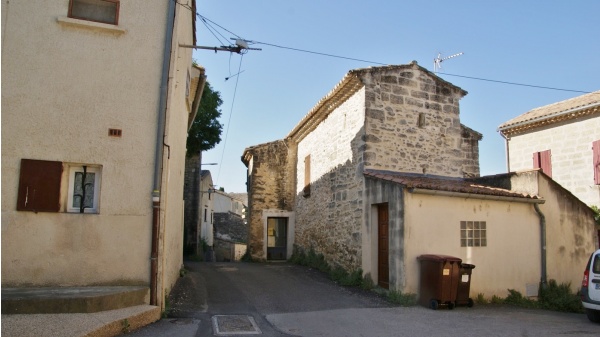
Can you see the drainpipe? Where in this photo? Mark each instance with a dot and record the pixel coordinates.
(158, 155)
(507, 151)
(543, 280)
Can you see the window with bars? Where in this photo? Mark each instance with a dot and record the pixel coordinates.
(84, 188)
(473, 234)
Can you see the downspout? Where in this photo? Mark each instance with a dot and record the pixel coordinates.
(158, 154)
(507, 151)
(543, 280)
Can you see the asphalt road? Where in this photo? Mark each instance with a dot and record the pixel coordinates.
(281, 299)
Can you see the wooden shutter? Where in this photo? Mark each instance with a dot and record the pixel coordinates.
(39, 186)
(543, 160)
(596, 161)
(306, 191)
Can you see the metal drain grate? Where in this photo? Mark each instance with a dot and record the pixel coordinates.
(226, 325)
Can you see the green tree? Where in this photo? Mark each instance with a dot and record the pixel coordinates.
(597, 211)
(206, 130)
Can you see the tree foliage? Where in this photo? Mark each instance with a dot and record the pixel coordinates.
(206, 130)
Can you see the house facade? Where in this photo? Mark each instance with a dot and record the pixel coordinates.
(563, 139)
(378, 173)
(206, 209)
(95, 109)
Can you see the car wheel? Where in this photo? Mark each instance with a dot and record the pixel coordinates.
(593, 315)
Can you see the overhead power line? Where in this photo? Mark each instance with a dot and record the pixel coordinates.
(206, 20)
(513, 83)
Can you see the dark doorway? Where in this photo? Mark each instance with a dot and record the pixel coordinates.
(383, 263)
(277, 238)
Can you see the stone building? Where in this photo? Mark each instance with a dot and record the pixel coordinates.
(381, 171)
(230, 227)
(563, 139)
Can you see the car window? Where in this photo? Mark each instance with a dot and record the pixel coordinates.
(596, 264)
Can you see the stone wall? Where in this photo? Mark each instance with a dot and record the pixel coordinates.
(230, 226)
(269, 187)
(191, 197)
(413, 124)
(329, 220)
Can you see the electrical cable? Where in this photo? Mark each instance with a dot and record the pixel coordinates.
(379, 63)
(210, 29)
(513, 83)
(318, 53)
(229, 120)
(216, 24)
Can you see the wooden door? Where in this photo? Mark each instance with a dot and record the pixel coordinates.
(383, 263)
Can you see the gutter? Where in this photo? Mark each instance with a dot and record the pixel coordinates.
(475, 196)
(158, 154)
(542, 118)
(544, 276)
(197, 97)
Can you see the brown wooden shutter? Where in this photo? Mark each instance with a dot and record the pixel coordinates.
(596, 161)
(543, 160)
(306, 191)
(39, 186)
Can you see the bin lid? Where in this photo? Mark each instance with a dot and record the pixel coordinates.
(467, 266)
(438, 258)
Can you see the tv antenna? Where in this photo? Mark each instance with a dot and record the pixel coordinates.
(240, 47)
(437, 62)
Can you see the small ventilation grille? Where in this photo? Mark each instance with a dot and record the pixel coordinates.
(115, 132)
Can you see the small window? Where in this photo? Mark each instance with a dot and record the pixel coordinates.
(473, 234)
(205, 211)
(104, 11)
(84, 189)
(306, 190)
(543, 160)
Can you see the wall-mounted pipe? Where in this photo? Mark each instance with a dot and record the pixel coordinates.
(158, 154)
(544, 276)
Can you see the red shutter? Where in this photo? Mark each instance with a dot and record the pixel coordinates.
(543, 160)
(596, 156)
(39, 186)
(536, 160)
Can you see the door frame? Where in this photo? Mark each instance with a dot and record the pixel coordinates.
(275, 213)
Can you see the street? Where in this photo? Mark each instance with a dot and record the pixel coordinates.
(281, 299)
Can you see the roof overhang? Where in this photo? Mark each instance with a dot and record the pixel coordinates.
(592, 109)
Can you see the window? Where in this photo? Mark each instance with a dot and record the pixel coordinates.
(105, 11)
(39, 186)
(473, 234)
(41, 181)
(596, 161)
(306, 190)
(205, 210)
(542, 160)
(84, 188)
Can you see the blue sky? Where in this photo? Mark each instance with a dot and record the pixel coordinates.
(551, 44)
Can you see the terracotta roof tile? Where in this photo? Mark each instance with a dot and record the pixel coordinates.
(448, 184)
(551, 111)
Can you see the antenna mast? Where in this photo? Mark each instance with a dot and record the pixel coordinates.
(437, 62)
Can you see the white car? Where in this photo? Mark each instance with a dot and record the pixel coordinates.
(590, 288)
